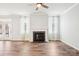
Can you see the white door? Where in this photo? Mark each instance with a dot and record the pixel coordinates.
(5, 31)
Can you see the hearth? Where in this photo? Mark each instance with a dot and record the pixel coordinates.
(39, 36)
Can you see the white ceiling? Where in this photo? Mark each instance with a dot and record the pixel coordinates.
(28, 8)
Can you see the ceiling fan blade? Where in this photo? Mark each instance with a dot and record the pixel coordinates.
(44, 6)
(37, 8)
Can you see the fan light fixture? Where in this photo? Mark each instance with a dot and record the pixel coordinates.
(38, 5)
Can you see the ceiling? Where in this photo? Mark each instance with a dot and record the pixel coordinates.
(28, 8)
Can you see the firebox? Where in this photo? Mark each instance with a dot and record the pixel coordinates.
(39, 36)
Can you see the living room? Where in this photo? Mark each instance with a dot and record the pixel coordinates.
(24, 27)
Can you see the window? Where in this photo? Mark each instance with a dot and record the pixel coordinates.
(53, 26)
(25, 25)
(6, 29)
(0, 28)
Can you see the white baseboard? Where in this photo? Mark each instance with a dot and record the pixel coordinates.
(70, 45)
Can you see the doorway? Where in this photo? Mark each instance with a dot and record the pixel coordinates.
(5, 31)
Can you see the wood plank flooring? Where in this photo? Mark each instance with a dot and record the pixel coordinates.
(54, 48)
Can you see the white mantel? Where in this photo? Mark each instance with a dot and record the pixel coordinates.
(39, 22)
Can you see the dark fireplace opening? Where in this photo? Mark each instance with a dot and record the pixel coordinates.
(39, 36)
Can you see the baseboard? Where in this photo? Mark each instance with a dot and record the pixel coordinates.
(54, 40)
(70, 45)
(16, 40)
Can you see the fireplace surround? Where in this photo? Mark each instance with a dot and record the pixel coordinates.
(39, 27)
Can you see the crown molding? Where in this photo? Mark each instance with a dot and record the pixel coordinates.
(74, 5)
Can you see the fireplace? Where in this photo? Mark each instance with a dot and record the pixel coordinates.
(39, 36)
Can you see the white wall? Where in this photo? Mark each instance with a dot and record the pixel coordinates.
(70, 27)
(39, 22)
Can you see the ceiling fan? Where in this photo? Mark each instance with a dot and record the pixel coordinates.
(39, 5)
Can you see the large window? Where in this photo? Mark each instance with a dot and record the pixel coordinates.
(25, 25)
(53, 27)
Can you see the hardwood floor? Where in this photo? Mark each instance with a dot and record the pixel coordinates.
(54, 48)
